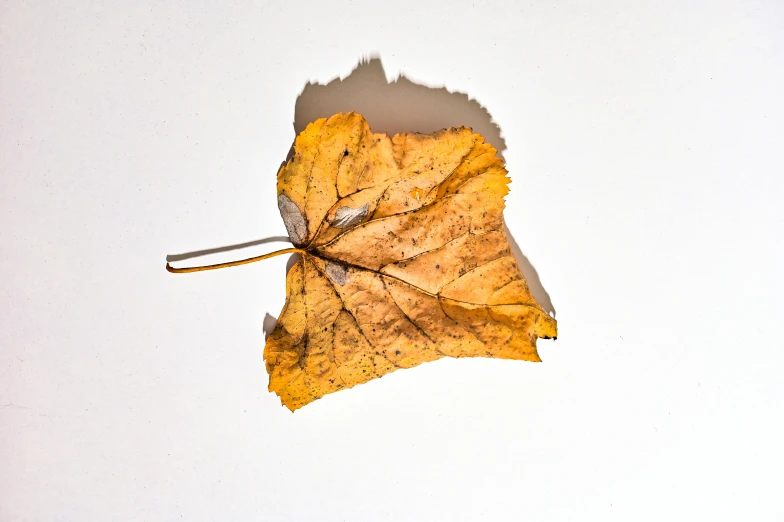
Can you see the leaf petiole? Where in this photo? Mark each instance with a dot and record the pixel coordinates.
(233, 263)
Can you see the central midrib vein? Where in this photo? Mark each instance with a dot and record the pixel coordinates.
(422, 290)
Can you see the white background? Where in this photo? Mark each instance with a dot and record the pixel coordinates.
(645, 144)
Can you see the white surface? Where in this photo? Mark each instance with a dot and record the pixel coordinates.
(645, 145)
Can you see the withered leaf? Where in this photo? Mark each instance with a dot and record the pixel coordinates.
(405, 259)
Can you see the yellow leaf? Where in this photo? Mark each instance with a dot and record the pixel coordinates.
(405, 259)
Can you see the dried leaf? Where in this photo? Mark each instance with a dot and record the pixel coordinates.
(405, 259)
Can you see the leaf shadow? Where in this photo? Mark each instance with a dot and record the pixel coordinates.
(395, 106)
(402, 105)
(531, 275)
(269, 324)
(173, 258)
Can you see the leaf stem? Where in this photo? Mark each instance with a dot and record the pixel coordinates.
(233, 263)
